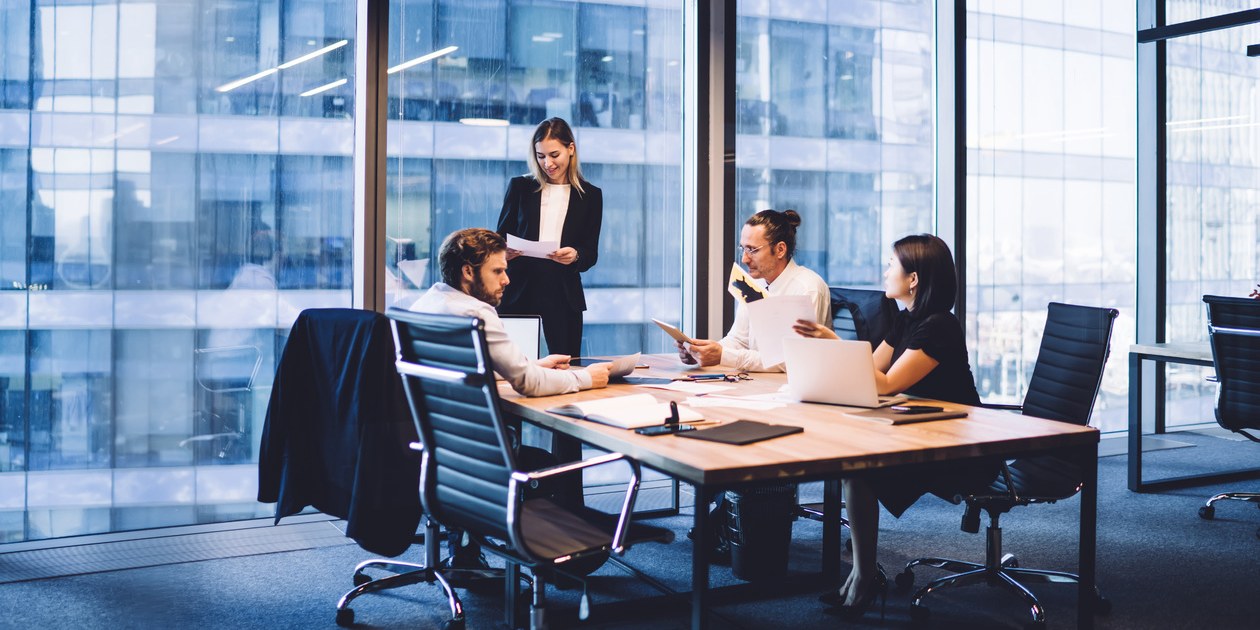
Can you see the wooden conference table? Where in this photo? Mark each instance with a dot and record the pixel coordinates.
(832, 446)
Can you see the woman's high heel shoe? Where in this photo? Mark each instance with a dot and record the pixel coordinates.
(835, 598)
(864, 603)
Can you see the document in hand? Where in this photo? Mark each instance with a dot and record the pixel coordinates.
(675, 333)
(627, 412)
(534, 249)
(624, 365)
(771, 319)
(890, 416)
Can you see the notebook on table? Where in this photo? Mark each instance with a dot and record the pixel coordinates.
(833, 371)
(892, 416)
(742, 432)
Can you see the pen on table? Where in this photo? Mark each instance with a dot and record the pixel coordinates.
(706, 377)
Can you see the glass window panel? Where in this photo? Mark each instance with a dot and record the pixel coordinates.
(13, 439)
(13, 219)
(70, 409)
(1213, 166)
(155, 245)
(1178, 11)
(542, 52)
(153, 372)
(612, 71)
(611, 66)
(834, 119)
(472, 81)
(15, 30)
(313, 229)
(1046, 221)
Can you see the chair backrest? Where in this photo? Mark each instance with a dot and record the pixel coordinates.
(862, 314)
(1234, 331)
(1068, 372)
(468, 460)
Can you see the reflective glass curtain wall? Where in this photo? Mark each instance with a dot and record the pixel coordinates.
(834, 118)
(1212, 133)
(175, 185)
(1050, 183)
(469, 81)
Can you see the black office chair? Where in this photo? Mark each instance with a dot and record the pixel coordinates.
(336, 438)
(469, 477)
(856, 315)
(1234, 331)
(1064, 384)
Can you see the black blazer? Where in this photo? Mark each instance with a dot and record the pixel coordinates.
(546, 278)
(337, 430)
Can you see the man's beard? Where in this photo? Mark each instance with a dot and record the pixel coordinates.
(480, 292)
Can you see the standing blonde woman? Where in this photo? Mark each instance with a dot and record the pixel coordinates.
(553, 203)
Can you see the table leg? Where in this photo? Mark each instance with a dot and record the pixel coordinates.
(1086, 564)
(1135, 422)
(1161, 397)
(831, 530)
(701, 545)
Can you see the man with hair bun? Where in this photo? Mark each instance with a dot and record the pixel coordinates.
(767, 244)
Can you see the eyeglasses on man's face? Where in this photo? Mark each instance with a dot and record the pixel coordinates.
(749, 250)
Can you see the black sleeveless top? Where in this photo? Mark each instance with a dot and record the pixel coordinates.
(940, 336)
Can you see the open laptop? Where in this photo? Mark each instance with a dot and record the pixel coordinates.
(833, 371)
(526, 332)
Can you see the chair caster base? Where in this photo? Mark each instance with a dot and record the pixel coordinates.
(345, 617)
(920, 614)
(904, 580)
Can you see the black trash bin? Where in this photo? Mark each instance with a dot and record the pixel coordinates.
(759, 526)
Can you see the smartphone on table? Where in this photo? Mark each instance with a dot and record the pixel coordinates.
(915, 409)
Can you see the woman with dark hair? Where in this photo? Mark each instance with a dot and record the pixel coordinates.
(924, 355)
(553, 203)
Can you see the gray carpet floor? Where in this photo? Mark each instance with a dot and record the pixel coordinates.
(1160, 564)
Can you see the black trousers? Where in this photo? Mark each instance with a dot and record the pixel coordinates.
(562, 327)
(563, 332)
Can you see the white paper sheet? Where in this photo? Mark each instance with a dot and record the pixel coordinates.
(533, 249)
(624, 365)
(732, 402)
(771, 319)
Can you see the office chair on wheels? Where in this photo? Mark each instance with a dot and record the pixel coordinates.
(336, 438)
(1234, 332)
(1064, 384)
(469, 476)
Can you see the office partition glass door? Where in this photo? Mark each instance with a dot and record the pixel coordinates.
(1050, 184)
(175, 185)
(1212, 165)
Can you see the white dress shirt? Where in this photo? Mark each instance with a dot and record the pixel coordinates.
(739, 349)
(553, 209)
(525, 376)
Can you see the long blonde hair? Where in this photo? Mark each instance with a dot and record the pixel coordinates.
(558, 130)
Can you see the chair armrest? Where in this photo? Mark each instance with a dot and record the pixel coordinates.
(1002, 407)
(627, 505)
(537, 475)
